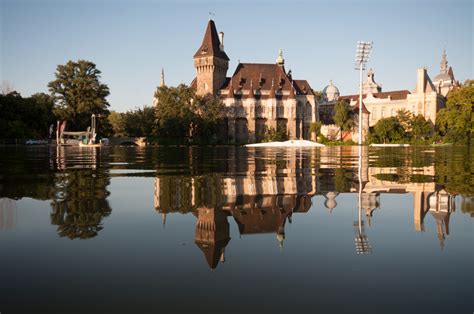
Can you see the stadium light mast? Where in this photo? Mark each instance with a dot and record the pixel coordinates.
(362, 57)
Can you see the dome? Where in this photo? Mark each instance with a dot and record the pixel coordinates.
(442, 77)
(331, 92)
(330, 202)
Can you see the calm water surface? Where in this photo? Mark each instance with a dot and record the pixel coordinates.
(225, 229)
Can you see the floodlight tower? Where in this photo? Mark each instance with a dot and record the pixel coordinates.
(362, 57)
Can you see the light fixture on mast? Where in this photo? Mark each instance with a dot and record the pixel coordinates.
(362, 57)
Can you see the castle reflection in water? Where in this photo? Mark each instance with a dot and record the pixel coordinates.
(261, 190)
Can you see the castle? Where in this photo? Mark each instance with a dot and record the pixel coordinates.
(258, 96)
(264, 96)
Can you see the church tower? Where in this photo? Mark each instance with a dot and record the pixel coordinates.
(211, 62)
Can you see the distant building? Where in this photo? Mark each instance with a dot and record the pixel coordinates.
(426, 99)
(256, 96)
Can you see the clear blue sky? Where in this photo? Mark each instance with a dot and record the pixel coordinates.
(131, 40)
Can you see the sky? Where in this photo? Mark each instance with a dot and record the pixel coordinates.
(130, 41)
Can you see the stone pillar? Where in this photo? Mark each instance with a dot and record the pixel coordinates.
(292, 128)
(292, 120)
(251, 120)
(271, 114)
(251, 127)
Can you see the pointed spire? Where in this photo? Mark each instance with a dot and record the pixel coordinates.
(272, 90)
(280, 237)
(231, 89)
(163, 218)
(251, 93)
(444, 63)
(280, 60)
(162, 80)
(211, 43)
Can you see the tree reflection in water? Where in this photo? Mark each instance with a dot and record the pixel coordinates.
(79, 203)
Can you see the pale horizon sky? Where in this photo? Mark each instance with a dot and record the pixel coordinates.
(130, 41)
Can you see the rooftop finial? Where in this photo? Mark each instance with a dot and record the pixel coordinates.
(211, 15)
(280, 60)
(444, 62)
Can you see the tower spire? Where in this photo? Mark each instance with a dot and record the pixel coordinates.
(280, 60)
(444, 62)
(162, 80)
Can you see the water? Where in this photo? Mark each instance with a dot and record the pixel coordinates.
(226, 229)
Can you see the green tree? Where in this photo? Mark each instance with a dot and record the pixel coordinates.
(387, 130)
(117, 122)
(23, 118)
(420, 128)
(315, 128)
(343, 116)
(174, 111)
(78, 93)
(272, 135)
(208, 112)
(405, 118)
(456, 121)
(139, 122)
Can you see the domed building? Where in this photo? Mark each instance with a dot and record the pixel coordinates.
(426, 99)
(330, 92)
(444, 81)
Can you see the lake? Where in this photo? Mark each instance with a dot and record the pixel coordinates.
(236, 230)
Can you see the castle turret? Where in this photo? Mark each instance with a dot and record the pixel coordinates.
(211, 62)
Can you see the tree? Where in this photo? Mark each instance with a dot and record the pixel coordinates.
(208, 111)
(456, 121)
(174, 111)
(272, 135)
(116, 121)
(343, 116)
(420, 128)
(315, 128)
(78, 93)
(23, 118)
(405, 117)
(139, 122)
(388, 129)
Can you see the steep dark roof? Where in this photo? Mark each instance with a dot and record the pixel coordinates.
(394, 95)
(364, 108)
(303, 87)
(261, 75)
(211, 44)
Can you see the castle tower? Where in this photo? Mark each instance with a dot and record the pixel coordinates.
(211, 62)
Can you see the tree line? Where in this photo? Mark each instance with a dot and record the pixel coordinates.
(182, 116)
(454, 124)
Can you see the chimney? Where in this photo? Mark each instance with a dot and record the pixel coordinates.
(221, 39)
(420, 81)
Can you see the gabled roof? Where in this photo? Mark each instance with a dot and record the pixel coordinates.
(211, 44)
(261, 75)
(364, 108)
(303, 87)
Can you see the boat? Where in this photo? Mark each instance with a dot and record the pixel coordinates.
(82, 138)
(90, 145)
